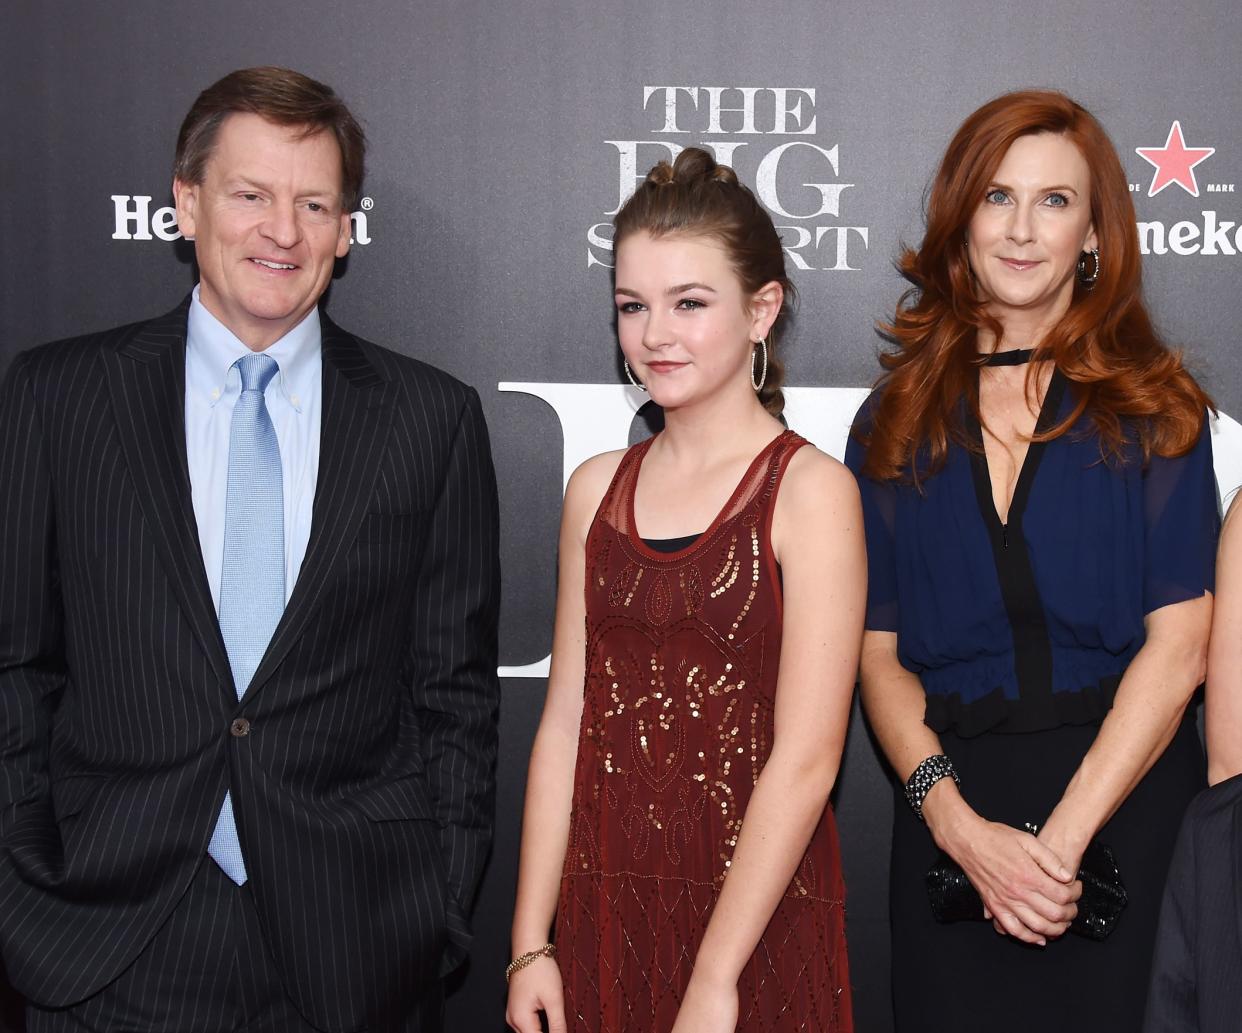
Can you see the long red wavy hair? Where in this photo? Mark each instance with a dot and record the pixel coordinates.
(1135, 388)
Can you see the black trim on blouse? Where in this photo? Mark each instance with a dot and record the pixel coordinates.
(1036, 707)
(994, 712)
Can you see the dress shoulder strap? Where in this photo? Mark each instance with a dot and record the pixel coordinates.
(759, 489)
(614, 508)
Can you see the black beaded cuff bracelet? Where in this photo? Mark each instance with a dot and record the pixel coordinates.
(926, 775)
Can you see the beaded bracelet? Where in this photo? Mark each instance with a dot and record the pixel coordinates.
(926, 775)
(548, 950)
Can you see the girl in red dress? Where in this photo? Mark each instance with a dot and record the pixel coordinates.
(709, 612)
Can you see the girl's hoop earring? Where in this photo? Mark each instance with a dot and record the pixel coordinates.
(763, 375)
(630, 373)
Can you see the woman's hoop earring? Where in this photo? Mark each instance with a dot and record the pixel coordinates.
(1083, 278)
(629, 373)
(763, 375)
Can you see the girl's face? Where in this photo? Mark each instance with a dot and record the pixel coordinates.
(686, 325)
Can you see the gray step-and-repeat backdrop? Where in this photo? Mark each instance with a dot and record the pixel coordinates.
(503, 137)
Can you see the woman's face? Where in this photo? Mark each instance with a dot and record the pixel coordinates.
(686, 325)
(1027, 234)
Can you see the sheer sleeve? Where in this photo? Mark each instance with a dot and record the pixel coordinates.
(879, 503)
(1181, 525)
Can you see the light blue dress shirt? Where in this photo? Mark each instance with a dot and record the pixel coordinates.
(293, 400)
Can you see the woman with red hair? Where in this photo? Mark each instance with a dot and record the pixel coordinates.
(1041, 518)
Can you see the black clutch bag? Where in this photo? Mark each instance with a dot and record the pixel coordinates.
(954, 899)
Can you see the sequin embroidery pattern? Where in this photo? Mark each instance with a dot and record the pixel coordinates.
(681, 669)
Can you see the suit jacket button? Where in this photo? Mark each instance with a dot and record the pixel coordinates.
(240, 728)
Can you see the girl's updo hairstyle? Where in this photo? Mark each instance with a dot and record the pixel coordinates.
(696, 197)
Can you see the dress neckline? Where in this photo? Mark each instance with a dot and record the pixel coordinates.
(982, 475)
(636, 540)
(1015, 574)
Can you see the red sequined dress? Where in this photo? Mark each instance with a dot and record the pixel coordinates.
(681, 666)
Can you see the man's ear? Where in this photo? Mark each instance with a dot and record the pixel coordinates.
(185, 197)
(347, 231)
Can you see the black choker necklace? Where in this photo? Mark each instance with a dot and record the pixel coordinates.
(1014, 357)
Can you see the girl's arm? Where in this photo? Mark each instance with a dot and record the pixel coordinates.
(550, 777)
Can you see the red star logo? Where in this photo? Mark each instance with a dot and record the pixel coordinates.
(1175, 162)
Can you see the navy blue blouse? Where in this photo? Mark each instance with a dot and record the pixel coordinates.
(1031, 625)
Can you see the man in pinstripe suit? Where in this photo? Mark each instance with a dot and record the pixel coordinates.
(1196, 972)
(248, 599)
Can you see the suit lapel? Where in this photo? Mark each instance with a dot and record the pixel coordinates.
(357, 404)
(146, 380)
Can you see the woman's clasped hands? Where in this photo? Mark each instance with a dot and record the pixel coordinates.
(1029, 891)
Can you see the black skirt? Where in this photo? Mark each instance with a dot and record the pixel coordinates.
(965, 977)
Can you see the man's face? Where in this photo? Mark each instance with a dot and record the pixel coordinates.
(267, 223)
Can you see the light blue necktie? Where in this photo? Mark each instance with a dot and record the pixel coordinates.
(252, 579)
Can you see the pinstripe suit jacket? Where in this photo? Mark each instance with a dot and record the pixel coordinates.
(364, 788)
(1196, 980)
